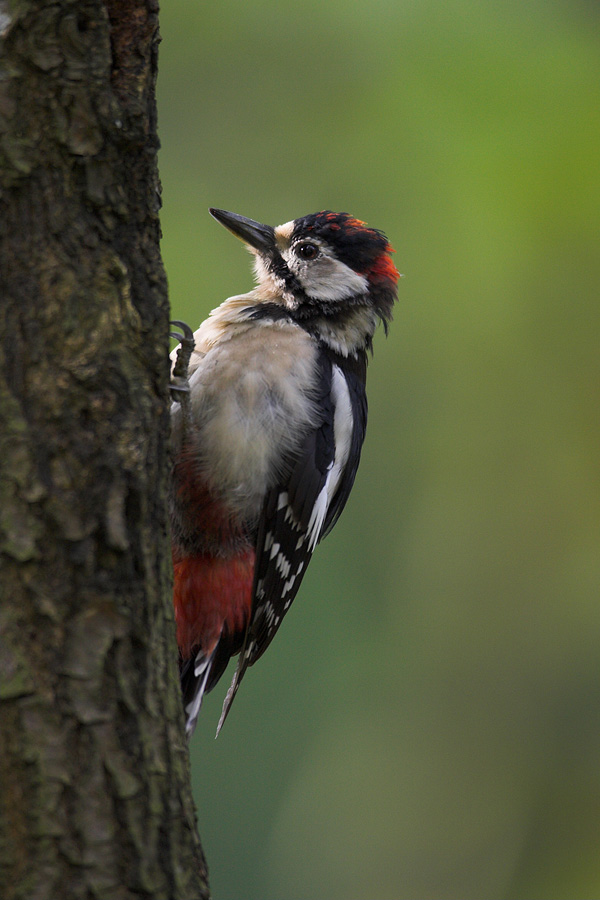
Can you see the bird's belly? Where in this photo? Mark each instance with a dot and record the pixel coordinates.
(249, 412)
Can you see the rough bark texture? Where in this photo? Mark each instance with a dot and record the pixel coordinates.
(95, 798)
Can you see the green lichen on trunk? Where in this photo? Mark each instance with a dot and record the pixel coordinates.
(95, 798)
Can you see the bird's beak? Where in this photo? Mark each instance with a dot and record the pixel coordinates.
(260, 237)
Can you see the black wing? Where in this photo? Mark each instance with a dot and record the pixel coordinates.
(298, 511)
(354, 372)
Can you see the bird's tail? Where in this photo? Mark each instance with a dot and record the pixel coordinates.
(237, 678)
(194, 677)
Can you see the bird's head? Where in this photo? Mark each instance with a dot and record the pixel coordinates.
(320, 265)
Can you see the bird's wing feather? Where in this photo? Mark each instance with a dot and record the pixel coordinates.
(301, 508)
(357, 399)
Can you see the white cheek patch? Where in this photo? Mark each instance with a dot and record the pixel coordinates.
(326, 278)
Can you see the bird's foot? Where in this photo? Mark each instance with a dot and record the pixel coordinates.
(180, 386)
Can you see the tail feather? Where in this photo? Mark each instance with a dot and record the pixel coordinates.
(233, 689)
(194, 676)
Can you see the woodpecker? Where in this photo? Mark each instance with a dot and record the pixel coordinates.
(267, 444)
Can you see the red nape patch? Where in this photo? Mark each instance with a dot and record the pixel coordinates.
(383, 269)
(208, 593)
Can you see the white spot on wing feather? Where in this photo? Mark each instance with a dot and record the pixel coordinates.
(282, 565)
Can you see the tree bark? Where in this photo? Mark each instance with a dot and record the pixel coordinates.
(95, 797)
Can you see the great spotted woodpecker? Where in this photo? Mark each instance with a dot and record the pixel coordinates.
(267, 445)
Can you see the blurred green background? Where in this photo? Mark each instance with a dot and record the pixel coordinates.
(427, 722)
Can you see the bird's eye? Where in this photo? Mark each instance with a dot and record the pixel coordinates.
(307, 250)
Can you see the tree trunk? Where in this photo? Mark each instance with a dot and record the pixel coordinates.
(95, 797)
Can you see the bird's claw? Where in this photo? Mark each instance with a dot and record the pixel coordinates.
(184, 387)
(180, 386)
(186, 333)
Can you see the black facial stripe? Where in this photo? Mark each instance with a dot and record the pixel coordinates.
(278, 266)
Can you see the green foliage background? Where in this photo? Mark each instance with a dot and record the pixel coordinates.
(427, 722)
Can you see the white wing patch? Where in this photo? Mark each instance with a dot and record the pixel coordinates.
(342, 436)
